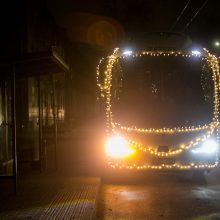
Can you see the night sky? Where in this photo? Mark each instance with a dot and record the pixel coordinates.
(142, 16)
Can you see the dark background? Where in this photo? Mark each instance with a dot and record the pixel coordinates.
(141, 16)
(81, 32)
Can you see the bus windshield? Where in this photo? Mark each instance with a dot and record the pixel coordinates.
(157, 92)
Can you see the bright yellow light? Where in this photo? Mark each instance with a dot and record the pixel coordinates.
(118, 147)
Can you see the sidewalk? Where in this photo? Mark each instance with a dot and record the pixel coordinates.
(51, 196)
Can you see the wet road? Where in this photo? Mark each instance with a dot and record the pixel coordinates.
(164, 197)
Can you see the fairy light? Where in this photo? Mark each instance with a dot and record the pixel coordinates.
(164, 166)
(165, 130)
(105, 89)
(174, 151)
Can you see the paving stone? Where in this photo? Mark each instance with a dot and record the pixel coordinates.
(52, 197)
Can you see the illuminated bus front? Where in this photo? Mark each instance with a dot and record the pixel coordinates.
(161, 109)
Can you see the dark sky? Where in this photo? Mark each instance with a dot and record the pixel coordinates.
(140, 16)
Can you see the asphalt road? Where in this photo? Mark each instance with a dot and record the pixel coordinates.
(160, 197)
(153, 197)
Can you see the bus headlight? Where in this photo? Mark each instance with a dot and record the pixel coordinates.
(208, 147)
(118, 147)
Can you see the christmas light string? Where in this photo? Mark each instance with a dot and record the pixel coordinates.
(174, 151)
(105, 89)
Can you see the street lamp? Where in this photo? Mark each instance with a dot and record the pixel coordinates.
(217, 43)
(217, 47)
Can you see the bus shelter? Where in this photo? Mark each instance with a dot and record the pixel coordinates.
(32, 107)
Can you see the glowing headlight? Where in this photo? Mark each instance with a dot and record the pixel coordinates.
(208, 147)
(196, 52)
(127, 52)
(117, 147)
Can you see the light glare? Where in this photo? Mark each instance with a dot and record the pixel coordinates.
(117, 147)
(208, 147)
(196, 52)
(217, 44)
(127, 52)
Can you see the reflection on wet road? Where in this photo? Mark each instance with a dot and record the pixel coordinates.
(162, 198)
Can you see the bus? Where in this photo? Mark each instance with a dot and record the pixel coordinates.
(161, 107)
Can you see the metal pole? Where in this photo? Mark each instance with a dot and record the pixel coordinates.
(55, 122)
(13, 118)
(5, 116)
(40, 126)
